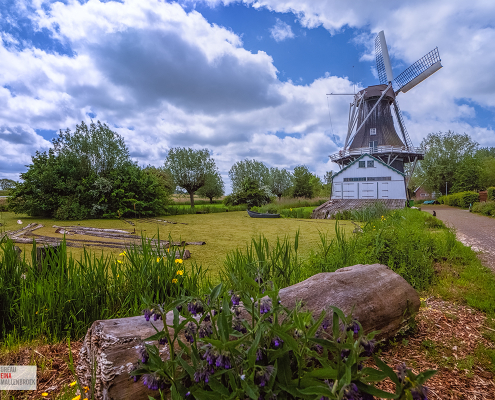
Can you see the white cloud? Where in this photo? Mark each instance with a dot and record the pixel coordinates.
(167, 77)
(281, 31)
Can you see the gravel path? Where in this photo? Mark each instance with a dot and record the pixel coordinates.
(472, 229)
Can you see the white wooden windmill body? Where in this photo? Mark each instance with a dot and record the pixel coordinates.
(372, 136)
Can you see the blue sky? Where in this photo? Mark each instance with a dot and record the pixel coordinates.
(245, 79)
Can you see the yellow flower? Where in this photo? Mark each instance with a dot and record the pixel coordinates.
(86, 389)
(174, 280)
(180, 272)
(291, 209)
(168, 250)
(123, 253)
(78, 397)
(44, 394)
(178, 261)
(72, 383)
(120, 262)
(158, 259)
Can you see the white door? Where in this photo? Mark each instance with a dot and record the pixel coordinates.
(337, 191)
(350, 190)
(383, 190)
(367, 190)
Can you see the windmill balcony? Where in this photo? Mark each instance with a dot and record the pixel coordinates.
(352, 153)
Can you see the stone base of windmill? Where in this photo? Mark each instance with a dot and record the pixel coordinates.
(379, 299)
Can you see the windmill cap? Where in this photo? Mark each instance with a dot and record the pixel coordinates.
(376, 91)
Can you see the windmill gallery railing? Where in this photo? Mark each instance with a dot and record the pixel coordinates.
(376, 150)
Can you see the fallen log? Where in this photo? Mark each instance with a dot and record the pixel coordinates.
(378, 297)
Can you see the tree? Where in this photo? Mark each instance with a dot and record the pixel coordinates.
(88, 173)
(252, 169)
(280, 181)
(213, 187)
(444, 152)
(190, 168)
(327, 184)
(250, 193)
(302, 182)
(6, 184)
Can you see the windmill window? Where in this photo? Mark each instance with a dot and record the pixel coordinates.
(362, 164)
(371, 164)
(372, 131)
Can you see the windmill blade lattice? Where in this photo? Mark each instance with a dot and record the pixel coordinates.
(380, 64)
(418, 68)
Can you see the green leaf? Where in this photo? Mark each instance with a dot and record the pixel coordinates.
(317, 390)
(216, 386)
(284, 371)
(186, 366)
(373, 375)
(323, 373)
(375, 392)
(425, 375)
(251, 356)
(215, 292)
(347, 376)
(156, 336)
(249, 390)
(325, 343)
(201, 394)
(387, 370)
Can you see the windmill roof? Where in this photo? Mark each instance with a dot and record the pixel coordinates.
(374, 158)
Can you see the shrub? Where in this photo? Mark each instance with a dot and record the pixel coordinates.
(491, 193)
(262, 350)
(485, 208)
(461, 199)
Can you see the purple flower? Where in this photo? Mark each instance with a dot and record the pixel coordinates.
(368, 346)
(205, 330)
(265, 306)
(259, 355)
(190, 331)
(163, 340)
(210, 355)
(188, 394)
(195, 307)
(351, 392)
(156, 317)
(203, 374)
(325, 324)
(235, 299)
(147, 314)
(134, 377)
(223, 361)
(277, 342)
(153, 382)
(344, 353)
(237, 310)
(354, 326)
(143, 354)
(419, 393)
(239, 326)
(262, 377)
(401, 372)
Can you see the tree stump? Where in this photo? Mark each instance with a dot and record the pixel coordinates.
(49, 252)
(378, 297)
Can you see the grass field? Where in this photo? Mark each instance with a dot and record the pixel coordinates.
(222, 232)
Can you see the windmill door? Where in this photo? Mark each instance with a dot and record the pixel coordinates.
(337, 191)
(383, 188)
(367, 190)
(350, 190)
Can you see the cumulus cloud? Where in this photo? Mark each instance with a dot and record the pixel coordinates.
(167, 77)
(281, 31)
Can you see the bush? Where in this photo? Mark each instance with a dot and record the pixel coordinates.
(491, 193)
(485, 208)
(262, 350)
(461, 199)
(251, 193)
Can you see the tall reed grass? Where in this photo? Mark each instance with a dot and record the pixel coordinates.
(64, 296)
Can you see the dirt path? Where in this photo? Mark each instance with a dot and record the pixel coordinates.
(472, 229)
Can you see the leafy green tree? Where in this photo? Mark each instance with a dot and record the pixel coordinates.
(487, 174)
(327, 184)
(252, 169)
(303, 186)
(6, 184)
(444, 153)
(190, 168)
(78, 179)
(250, 193)
(213, 187)
(280, 181)
(316, 185)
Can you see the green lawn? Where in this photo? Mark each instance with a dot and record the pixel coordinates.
(222, 232)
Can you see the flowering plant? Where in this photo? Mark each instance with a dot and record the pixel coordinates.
(221, 348)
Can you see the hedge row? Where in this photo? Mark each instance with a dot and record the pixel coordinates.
(491, 193)
(461, 199)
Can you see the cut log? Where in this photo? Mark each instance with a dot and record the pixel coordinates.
(378, 297)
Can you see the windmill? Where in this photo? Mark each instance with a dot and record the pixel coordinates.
(371, 127)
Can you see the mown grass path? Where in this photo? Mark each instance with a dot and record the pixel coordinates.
(475, 230)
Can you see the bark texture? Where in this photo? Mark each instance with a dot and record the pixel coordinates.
(378, 297)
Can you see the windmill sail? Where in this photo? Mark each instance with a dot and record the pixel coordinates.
(419, 71)
(383, 65)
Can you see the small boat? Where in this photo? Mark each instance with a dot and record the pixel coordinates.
(254, 214)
